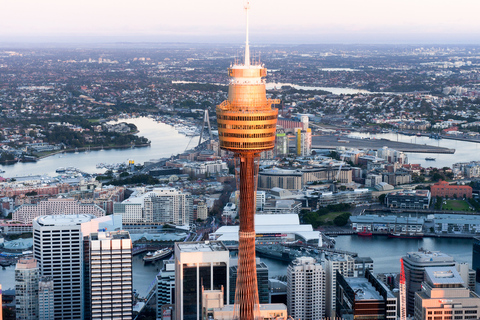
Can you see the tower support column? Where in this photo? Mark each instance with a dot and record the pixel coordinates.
(246, 294)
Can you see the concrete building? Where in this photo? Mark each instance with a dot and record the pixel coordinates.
(411, 199)
(110, 275)
(58, 248)
(165, 205)
(281, 144)
(262, 281)
(1, 303)
(476, 262)
(45, 298)
(414, 266)
(306, 294)
(304, 142)
(27, 212)
(456, 224)
(364, 298)
(281, 178)
(356, 196)
(202, 211)
(392, 156)
(387, 224)
(27, 276)
(328, 173)
(276, 311)
(344, 265)
(165, 286)
(444, 296)
(199, 264)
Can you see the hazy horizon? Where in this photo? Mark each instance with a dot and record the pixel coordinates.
(219, 21)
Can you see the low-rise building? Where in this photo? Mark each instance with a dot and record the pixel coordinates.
(409, 199)
(444, 189)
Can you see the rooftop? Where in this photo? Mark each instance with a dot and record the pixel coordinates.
(203, 246)
(443, 275)
(363, 289)
(64, 219)
(110, 235)
(425, 256)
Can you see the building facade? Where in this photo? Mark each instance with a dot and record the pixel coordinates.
(262, 281)
(199, 266)
(58, 248)
(364, 298)
(27, 212)
(414, 265)
(304, 142)
(444, 189)
(306, 294)
(27, 276)
(111, 284)
(344, 265)
(45, 298)
(414, 199)
(444, 296)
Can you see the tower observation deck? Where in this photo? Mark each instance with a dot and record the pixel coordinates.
(246, 127)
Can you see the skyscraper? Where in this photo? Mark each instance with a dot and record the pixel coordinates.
(57, 246)
(197, 265)
(345, 265)
(306, 289)
(45, 298)
(246, 127)
(414, 264)
(110, 275)
(26, 289)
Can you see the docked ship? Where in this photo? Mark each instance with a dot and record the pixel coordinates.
(157, 255)
(406, 235)
(364, 233)
(429, 159)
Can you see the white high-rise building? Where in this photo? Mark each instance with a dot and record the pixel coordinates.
(58, 248)
(345, 265)
(110, 268)
(202, 211)
(45, 298)
(199, 264)
(26, 289)
(306, 289)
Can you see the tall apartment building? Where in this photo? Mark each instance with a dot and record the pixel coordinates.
(414, 264)
(345, 265)
(26, 289)
(27, 212)
(1, 304)
(444, 296)
(110, 267)
(306, 289)
(199, 265)
(476, 261)
(281, 144)
(167, 205)
(45, 298)
(57, 246)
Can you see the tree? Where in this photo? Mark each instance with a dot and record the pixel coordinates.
(342, 219)
(381, 198)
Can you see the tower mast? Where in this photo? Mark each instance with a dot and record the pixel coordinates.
(246, 127)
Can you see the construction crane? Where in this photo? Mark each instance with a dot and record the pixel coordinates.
(403, 293)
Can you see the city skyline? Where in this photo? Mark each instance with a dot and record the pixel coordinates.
(215, 21)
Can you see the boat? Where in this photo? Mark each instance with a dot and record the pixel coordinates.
(157, 255)
(430, 159)
(405, 235)
(364, 233)
(61, 170)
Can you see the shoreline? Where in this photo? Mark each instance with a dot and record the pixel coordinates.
(83, 149)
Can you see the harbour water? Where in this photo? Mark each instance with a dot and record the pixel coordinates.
(165, 142)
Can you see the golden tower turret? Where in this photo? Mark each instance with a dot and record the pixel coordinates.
(247, 126)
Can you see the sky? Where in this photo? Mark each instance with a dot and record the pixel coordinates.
(223, 21)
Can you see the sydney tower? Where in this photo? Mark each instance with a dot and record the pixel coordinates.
(246, 127)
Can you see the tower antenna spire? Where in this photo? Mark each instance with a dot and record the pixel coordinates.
(247, 47)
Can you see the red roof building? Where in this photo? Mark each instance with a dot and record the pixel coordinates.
(443, 189)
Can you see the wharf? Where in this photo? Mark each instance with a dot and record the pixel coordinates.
(333, 141)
